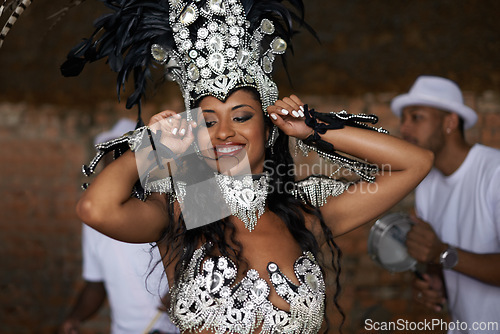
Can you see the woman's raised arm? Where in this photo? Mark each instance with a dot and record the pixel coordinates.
(401, 167)
(107, 206)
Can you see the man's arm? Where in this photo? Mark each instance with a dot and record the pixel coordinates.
(89, 301)
(425, 246)
(483, 267)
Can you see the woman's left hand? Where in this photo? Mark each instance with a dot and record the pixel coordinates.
(288, 115)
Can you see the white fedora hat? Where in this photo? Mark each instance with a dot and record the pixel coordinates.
(435, 92)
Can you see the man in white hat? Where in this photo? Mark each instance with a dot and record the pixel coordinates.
(457, 205)
(123, 273)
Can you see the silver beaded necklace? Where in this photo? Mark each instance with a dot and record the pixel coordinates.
(245, 195)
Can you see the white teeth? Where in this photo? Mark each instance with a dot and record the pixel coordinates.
(228, 149)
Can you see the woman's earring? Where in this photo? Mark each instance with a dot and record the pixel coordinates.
(272, 137)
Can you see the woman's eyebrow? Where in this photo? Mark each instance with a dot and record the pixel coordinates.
(232, 109)
(241, 106)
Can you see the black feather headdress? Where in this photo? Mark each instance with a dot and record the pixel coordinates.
(127, 37)
(124, 37)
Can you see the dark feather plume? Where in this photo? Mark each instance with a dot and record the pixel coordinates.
(125, 36)
(282, 16)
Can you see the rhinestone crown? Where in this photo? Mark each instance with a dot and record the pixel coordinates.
(216, 53)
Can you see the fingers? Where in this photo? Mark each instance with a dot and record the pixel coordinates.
(181, 129)
(179, 135)
(424, 293)
(423, 243)
(176, 132)
(422, 234)
(188, 137)
(167, 121)
(171, 123)
(164, 115)
(280, 122)
(292, 107)
(288, 106)
(422, 284)
(418, 250)
(288, 115)
(428, 298)
(296, 99)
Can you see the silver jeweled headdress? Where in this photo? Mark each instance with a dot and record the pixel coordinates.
(220, 55)
(209, 47)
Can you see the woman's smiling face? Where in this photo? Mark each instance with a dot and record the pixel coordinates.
(234, 142)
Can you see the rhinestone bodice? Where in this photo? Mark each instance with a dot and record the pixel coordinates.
(207, 297)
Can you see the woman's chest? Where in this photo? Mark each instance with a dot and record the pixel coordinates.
(213, 292)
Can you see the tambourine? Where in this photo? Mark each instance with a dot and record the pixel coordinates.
(386, 243)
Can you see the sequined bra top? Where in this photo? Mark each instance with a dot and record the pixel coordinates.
(207, 298)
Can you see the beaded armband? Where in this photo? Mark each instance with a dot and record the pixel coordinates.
(135, 139)
(141, 138)
(331, 121)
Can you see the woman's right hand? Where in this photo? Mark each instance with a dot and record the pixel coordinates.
(176, 132)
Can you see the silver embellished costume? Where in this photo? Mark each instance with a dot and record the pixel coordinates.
(207, 297)
(245, 196)
(211, 48)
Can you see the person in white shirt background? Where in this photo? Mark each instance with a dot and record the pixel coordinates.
(120, 272)
(457, 228)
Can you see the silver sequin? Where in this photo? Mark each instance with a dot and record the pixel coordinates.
(207, 300)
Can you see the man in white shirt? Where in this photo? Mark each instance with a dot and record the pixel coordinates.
(458, 208)
(122, 273)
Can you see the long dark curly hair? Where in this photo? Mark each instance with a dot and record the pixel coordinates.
(181, 242)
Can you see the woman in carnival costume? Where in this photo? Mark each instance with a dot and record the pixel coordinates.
(242, 247)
